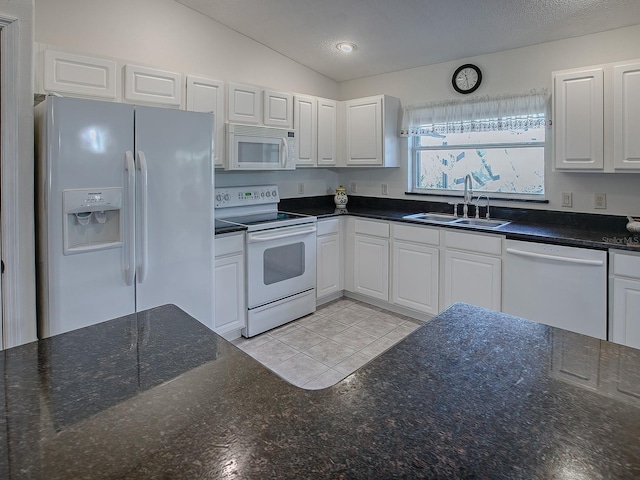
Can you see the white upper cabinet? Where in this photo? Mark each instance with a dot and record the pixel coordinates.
(596, 122)
(315, 122)
(152, 86)
(244, 103)
(327, 129)
(207, 95)
(79, 75)
(278, 109)
(305, 124)
(626, 116)
(371, 131)
(253, 105)
(579, 120)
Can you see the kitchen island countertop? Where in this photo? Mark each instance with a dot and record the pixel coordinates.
(471, 394)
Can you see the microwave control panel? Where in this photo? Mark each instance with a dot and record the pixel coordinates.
(239, 196)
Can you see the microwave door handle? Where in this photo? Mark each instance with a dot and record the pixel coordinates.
(261, 237)
(285, 149)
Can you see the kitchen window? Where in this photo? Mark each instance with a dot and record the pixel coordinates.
(504, 154)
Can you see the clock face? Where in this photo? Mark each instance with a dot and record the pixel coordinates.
(466, 79)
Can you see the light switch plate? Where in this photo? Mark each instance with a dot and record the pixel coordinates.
(567, 199)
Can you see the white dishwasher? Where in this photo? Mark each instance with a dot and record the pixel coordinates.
(564, 287)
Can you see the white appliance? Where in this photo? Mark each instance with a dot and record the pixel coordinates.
(280, 256)
(125, 212)
(564, 287)
(251, 147)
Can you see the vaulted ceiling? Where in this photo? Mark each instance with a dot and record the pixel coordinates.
(394, 35)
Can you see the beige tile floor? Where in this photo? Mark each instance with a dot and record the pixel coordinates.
(319, 350)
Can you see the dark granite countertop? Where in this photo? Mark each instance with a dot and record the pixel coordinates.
(560, 228)
(471, 394)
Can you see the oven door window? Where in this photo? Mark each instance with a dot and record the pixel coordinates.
(283, 263)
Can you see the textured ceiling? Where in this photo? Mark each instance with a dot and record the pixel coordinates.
(395, 35)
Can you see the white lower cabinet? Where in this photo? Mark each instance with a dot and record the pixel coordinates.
(329, 272)
(624, 298)
(473, 269)
(415, 268)
(371, 259)
(230, 302)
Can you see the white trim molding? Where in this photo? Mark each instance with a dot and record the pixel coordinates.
(17, 173)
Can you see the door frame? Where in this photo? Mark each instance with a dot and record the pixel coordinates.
(17, 175)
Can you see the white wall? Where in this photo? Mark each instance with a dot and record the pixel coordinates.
(512, 71)
(166, 34)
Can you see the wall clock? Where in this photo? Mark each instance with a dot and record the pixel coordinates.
(466, 78)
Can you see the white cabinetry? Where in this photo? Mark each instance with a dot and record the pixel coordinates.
(329, 272)
(624, 298)
(152, 86)
(207, 95)
(579, 120)
(372, 131)
(80, 75)
(315, 124)
(415, 268)
(472, 269)
(371, 259)
(230, 302)
(252, 105)
(596, 125)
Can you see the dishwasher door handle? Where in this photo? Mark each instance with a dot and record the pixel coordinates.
(555, 258)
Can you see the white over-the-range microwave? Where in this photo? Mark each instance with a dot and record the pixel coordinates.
(254, 147)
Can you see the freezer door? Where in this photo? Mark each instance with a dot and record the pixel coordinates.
(82, 145)
(174, 220)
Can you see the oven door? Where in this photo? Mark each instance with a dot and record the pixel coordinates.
(280, 262)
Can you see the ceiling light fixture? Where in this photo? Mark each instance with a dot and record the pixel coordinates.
(346, 47)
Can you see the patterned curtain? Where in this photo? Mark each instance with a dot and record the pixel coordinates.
(479, 114)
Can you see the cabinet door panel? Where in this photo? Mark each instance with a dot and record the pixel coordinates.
(278, 109)
(244, 104)
(579, 120)
(328, 266)
(364, 131)
(626, 120)
(305, 126)
(474, 279)
(78, 74)
(327, 127)
(230, 312)
(415, 277)
(626, 312)
(206, 95)
(371, 267)
(153, 86)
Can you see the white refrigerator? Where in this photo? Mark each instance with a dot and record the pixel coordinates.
(125, 212)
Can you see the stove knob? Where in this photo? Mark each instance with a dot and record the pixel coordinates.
(219, 197)
(268, 194)
(274, 193)
(227, 197)
(262, 194)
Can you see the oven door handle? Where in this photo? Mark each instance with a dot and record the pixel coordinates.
(265, 237)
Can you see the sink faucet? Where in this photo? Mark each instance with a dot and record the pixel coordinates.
(468, 195)
(487, 216)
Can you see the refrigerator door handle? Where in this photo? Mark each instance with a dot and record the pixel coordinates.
(130, 255)
(143, 238)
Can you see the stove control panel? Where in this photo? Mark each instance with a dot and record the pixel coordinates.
(239, 196)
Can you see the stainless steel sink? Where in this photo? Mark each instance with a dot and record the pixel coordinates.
(482, 222)
(433, 217)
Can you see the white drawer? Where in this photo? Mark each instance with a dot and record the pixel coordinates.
(376, 229)
(625, 264)
(427, 235)
(471, 242)
(327, 227)
(229, 243)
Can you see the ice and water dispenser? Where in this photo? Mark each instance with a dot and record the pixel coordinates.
(93, 219)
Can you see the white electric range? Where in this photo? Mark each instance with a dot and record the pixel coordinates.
(280, 255)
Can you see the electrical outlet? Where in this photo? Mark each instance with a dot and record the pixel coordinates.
(301, 188)
(600, 200)
(352, 187)
(567, 199)
(384, 189)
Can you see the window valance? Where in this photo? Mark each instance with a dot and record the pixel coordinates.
(482, 114)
